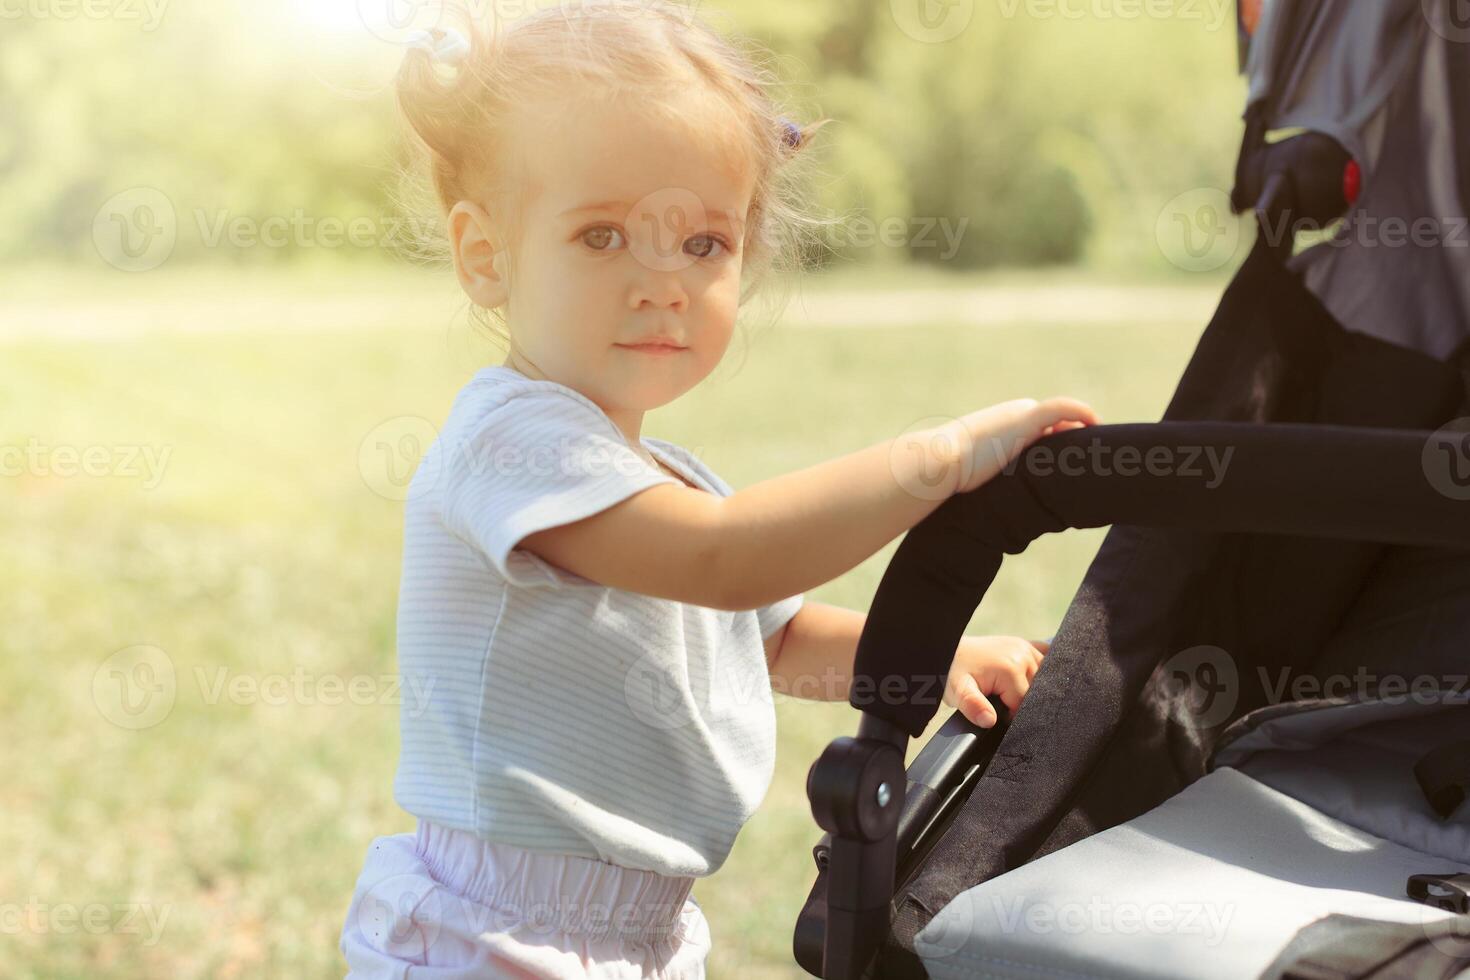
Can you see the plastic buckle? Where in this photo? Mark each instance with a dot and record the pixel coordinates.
(1448, 892)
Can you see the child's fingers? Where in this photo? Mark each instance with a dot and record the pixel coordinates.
(964, 696)
(1066, 426)
(1012, 686)
(1063, 410)
(1013, 692)
(1032, 655)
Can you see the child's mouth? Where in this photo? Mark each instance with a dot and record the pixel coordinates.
(652, 348)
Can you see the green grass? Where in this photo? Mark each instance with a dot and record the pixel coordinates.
(263, 553)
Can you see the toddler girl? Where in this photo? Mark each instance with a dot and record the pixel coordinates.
(600, 616)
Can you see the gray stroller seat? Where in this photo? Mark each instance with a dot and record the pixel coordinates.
(1306, 813)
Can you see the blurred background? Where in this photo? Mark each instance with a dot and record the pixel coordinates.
(218, 369)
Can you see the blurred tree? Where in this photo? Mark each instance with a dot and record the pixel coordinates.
(1028, 137)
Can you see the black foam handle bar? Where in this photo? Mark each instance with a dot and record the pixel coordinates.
(1390, 486)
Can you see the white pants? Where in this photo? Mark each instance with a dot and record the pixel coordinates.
(443, 903)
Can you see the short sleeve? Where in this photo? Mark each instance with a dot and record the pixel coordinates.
(778, 614)
(538, 459)
(774, 616)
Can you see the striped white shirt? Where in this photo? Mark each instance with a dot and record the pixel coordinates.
(561, 715)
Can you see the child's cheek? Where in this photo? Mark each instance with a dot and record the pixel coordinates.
(725, 292)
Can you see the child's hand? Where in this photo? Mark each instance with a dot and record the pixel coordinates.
(992, 437)
(989, 665)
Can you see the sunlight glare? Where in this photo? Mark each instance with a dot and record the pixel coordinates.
(386, 20)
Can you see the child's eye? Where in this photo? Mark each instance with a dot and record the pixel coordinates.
(705, 245)
(599, 238)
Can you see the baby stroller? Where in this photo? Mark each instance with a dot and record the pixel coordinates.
(1246, 752)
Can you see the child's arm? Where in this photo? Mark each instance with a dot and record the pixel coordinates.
(814, 661)
(797, 531)
(814, 656)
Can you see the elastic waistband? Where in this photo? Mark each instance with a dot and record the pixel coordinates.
(561, 892)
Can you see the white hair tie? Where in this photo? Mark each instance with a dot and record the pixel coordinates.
(443, 44)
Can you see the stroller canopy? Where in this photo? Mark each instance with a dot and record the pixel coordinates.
(1390, 81)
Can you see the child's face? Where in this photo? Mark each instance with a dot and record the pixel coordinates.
(629, 232)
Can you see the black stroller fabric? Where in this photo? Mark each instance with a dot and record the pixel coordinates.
(1102, 737)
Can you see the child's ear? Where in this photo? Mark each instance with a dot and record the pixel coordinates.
(479, 260)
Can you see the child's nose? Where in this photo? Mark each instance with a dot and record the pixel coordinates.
(658, 290)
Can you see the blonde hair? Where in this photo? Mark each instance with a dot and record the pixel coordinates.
(462, 148)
